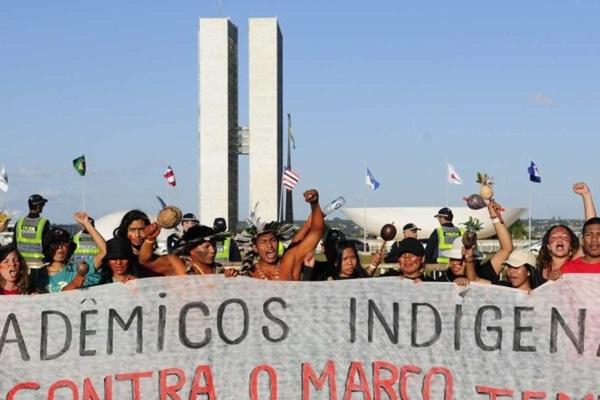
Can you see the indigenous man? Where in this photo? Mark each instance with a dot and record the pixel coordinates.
(260, 242)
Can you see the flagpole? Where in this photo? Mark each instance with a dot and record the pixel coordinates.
(365, 214)
(83, 193)
(282, 193)
(530, 202)
(447, 183)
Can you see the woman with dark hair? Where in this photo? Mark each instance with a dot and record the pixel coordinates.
(520, 270)
(560, 244)
(133, 228)
(14, 274)
(60, 273)
(347, 263)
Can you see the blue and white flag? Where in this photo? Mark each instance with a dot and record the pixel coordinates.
(534, 174)
(371, 181)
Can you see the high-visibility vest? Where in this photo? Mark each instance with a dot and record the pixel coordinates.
(86, 248)
(446, 237)
(29, 239)
(280, 248)
(223, 248)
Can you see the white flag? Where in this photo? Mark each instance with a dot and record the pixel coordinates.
(453, 175)
(3, 180)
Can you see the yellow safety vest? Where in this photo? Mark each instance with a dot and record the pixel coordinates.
(29, 239)
(446, 237)
(86, 248)
(223, 247)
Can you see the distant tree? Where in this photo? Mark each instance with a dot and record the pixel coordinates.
(518, 230)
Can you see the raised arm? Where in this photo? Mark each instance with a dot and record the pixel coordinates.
(470, 267)
(504, 237)
(291, 263)
(301, 234)
(168, 264)
(589, 210)
(83, 219)
(582, 189)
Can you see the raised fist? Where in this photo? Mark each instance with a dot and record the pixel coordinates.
(581, 188)
(151, 231)
(311, 196)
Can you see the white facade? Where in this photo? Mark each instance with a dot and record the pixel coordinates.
(265, 115)
(423, 217)
(218, 120)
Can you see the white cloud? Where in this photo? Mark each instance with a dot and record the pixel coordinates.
(541, 99)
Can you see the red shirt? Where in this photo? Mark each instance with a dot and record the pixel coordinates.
(7, 291)
(579, 266)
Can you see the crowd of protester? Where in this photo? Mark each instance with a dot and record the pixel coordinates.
(47, 259)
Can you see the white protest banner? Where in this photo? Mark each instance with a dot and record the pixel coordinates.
(240, 338)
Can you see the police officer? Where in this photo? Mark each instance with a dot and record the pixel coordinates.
(442, 238)
(227, 250)
(187, 221)
(30, 230)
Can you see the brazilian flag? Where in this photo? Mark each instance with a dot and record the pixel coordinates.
(79, 165)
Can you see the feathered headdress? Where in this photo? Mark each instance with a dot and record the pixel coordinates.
(245, 239)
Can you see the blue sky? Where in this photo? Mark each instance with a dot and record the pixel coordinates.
(403, 87)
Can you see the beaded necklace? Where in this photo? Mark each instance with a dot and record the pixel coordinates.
(261, 274)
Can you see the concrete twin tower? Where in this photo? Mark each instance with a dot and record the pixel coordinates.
(222, 140)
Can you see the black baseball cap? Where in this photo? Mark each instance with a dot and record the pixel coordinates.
(36, 200)
(189, 217)
(445, 212)
(411, 227)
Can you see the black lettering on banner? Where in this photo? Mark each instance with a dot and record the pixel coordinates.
(281, 323)
(478, 324)
(415, 325)
(458, 313)
(374, 310)
(162, 322)
(556, 319)
(44, 339)
(352, 321)
(11, 320)
(183, 337)
(519, 329)
(220, 314)
(114, 316)
(84, 332)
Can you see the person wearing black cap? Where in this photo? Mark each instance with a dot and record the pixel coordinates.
(409, 256)
(188, 220)
(409, 230)
(442, 238)
(30, 231)
(117, 264)
(198, 249)
(61, 273)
